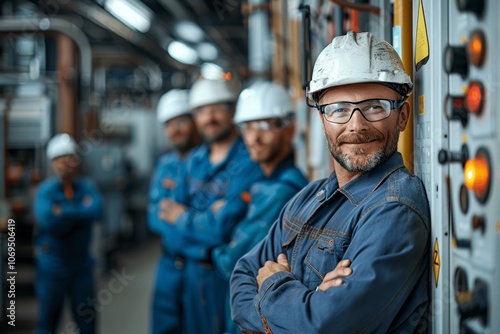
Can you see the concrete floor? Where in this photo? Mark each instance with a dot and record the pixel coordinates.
(124, 308)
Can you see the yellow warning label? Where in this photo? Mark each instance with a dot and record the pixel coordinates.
(422, 39)
(421, 105)
(437, 262)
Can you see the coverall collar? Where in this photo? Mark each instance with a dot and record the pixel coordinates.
(359, 188)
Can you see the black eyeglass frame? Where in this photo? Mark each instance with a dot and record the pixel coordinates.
(394, 104)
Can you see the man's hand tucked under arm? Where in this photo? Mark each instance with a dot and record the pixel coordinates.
(334, 277)
(170, 210)
(217, 205)
(331, 279)
(271, 267)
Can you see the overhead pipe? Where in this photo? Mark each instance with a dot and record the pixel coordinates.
(46, 25)
(357, 6)
(360, 19)
(58, 25)
(259, 57)
(358, 16)
(338, 19)
(105, 20)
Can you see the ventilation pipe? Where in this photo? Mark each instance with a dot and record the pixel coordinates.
(259, 44)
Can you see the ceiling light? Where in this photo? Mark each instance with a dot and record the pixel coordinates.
(182, 52)
(131, 12)
(207, 51)
(189, 31)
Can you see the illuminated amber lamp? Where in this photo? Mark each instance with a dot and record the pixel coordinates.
(474, 97)
(477, 175)
(477, 48)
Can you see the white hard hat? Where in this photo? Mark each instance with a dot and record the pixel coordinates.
(263, 100)
(205, 92)
(172, 104)
(358, 58)
(61, 144)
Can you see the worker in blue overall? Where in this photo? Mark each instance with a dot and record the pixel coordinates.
(209, 204)
(371, 211)
(265, 116)
(174, 112)
(66, 206)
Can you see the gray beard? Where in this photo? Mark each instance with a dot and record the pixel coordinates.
(374, 160)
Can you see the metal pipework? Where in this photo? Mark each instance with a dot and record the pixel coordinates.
(48, 25)
(259, 60)
(45, 25)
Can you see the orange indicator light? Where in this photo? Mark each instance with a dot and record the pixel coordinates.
(474, 97)
(477, 175)
(477, 48)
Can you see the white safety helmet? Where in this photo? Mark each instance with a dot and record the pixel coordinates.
(358, 58)
(263, 100)
(172, 104)
(61, 144)
(205, 92)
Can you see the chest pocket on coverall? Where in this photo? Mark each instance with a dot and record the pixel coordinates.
(320, 249)
(324, 255)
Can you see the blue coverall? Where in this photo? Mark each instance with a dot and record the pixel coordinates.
(64, 262)
(167, 304)
(380, 221)
(267, 197)
(201, 228)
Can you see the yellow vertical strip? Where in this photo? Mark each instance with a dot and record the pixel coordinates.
(403, 18)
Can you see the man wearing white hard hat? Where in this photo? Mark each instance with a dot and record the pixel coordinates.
(209, 204)
(265, 115)
(174, 112)
(371, 212)
(65, 208)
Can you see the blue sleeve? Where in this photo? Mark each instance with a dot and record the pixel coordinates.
(205, 229)
(156, 193)
(181, 192)
(85, 209)
(72, 212)
(394, 264)
(155, 182)
(243, 285)
(252, 229)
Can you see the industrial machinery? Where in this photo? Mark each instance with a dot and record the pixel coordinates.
(54, 81)
(449, 47)
(457, 127)
(65, 71)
